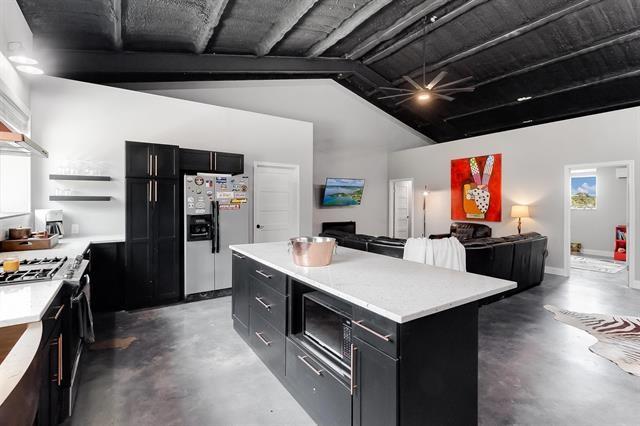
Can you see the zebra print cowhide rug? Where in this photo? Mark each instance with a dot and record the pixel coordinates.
(618, 336)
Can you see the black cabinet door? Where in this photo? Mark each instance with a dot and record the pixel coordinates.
(224, 162)
(166, 268)
(139, 243)
(139, 159)
(375, 393)
(196, 160)
(165, 161)
(240, 289)
(107, 274)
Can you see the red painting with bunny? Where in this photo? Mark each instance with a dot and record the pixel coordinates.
(476, 188)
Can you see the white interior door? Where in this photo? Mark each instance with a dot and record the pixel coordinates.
(276, 214)
(402, 192)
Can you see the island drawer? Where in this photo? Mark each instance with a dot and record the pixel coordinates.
(324, 396)
(265, 301)
(379, 332)
(267, 343)
(269, 276)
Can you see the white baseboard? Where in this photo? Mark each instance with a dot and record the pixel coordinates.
(603, 253)
(554, 271)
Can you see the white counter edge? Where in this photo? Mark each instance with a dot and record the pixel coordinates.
(382, 312)
(19, 359)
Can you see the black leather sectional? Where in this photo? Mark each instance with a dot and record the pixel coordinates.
(519, 258)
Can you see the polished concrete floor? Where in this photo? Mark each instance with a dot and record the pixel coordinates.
(187, 366)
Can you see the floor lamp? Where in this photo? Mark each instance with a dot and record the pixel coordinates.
(425, 194)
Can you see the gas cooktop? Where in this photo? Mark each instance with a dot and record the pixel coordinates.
(39, 269)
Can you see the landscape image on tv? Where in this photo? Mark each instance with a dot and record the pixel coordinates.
(343, 192)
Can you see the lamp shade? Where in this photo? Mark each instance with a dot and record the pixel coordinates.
(519, 211)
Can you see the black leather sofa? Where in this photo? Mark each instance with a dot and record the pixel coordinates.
(519, 258)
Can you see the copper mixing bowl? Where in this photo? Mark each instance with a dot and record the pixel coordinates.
(312, 251)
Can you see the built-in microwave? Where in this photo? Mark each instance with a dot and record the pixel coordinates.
(327, 325)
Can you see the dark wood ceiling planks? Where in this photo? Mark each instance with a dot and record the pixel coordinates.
(573, 57)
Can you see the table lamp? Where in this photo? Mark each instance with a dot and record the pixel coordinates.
(519, 212)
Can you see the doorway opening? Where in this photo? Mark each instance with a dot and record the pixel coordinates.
(276, 207)
(599, 216)
(401, 208)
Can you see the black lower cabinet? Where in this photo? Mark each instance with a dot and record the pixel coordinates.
(419, 372)
(50, 353)
(375, 399)
(240, 293)
(107, 277)
(325, 397)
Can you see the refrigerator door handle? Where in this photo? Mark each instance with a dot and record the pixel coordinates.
(217, 204)
(214, 227)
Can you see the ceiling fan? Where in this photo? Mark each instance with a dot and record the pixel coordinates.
(424, 92)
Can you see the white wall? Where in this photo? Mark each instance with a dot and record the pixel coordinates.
(595, 229)
(533, 160)
(352, 138)
(80, 121)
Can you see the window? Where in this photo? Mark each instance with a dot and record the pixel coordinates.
(583, 192)
(15, 184)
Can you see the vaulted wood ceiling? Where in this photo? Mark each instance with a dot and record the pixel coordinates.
(572, 57)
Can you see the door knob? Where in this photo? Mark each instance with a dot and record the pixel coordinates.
(258, 226)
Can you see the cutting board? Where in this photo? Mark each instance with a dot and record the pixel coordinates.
(29, 244)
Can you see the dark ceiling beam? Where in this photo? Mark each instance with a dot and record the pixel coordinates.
(278, 30)
(347, 27)
(206, 39)
(78, 62)
(601, 45)
(502, 38)
(402, 23)
(414, 35)
(593, 82)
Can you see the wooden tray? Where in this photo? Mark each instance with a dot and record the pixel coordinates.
(29, 244)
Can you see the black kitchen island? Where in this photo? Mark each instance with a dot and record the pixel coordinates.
(367, 340)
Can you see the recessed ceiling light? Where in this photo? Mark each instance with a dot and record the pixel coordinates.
(523, 98)
(29, 69)
(22, 60)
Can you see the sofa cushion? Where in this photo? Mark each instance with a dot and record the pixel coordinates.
(467, 230)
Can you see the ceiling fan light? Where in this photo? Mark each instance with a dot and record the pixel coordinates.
(424, 97)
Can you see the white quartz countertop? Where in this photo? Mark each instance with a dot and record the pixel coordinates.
(66, 247)
(396, 289)
(23, 303)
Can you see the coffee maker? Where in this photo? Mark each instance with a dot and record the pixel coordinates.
(49, 220)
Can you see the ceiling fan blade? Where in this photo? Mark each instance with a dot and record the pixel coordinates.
(455, 89)
(412, 82)
(438, 95)
(436, 80)
(397, 89)
(404, 100)
(396, 96)
(451, 83)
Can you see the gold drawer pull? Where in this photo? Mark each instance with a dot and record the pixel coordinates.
(262, 339)
(305, 362)
(264, 305)
(55, 317)
(386, 338)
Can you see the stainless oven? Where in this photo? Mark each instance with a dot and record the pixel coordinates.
(327, 325)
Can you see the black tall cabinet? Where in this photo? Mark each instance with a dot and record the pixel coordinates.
(152, 225)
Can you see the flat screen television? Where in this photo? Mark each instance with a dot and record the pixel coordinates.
(343, 192)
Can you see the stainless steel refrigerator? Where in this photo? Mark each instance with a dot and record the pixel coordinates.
(216, 215)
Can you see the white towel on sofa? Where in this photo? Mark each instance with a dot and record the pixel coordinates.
(445, 252)
(414, 250)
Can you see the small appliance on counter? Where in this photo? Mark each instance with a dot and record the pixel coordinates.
(49, 220)
(217, 215)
